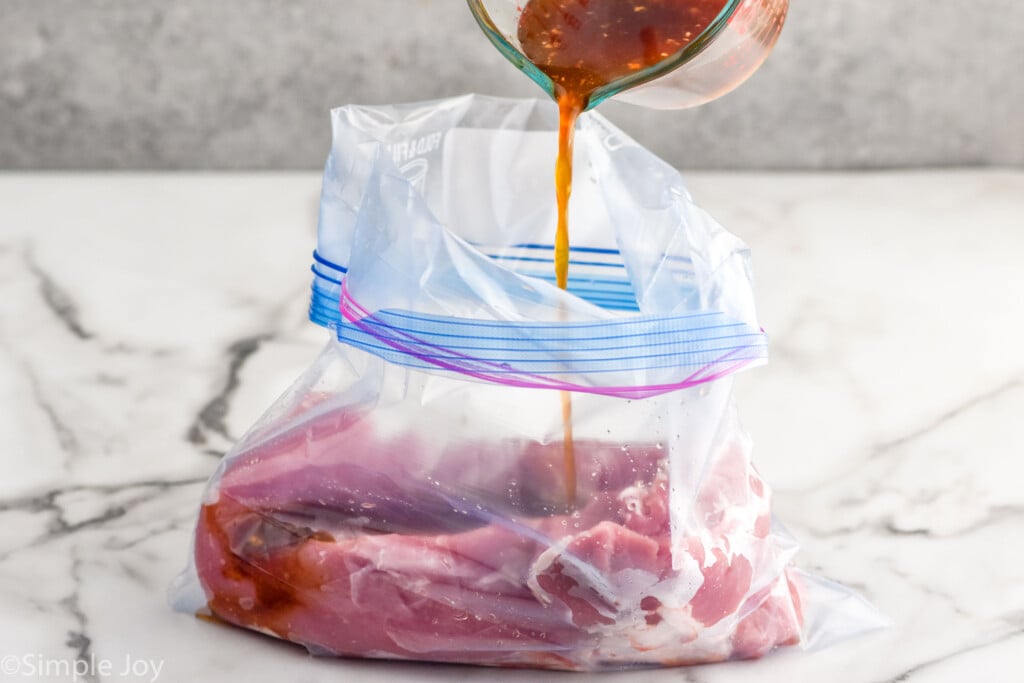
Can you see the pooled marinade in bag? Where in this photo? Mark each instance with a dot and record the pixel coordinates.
(406, 499)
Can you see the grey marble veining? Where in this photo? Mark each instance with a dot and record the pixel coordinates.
(141, 338)
(233, 84)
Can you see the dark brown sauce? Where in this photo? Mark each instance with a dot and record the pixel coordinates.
(583, 45)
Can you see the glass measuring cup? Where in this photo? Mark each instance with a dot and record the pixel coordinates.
(727, 52)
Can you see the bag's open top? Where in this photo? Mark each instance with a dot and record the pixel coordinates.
(435, 252)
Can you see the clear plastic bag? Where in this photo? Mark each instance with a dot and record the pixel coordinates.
(417, 495)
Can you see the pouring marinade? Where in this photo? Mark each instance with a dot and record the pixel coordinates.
(582, 45)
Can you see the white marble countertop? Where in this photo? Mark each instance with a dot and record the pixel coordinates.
(146, 321)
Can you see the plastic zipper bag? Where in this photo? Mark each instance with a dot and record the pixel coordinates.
(483, 468)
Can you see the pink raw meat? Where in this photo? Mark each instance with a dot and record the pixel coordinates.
(353, 543)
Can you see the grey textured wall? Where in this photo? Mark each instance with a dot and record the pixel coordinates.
(247, 83)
